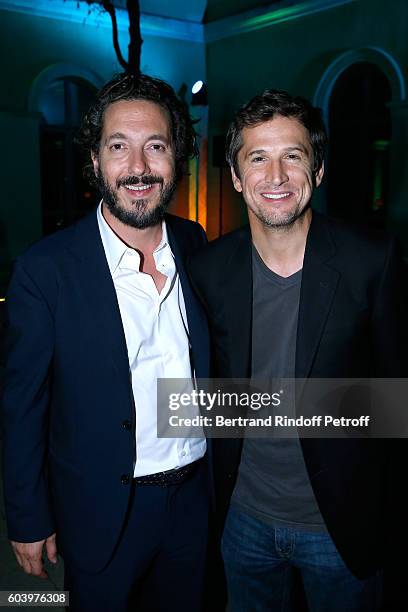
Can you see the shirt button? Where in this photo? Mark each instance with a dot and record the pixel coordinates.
(127, 425)
(183, 454)
(125, 479)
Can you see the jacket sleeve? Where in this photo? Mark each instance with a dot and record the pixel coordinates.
(390, 341)
(390, 322)
(29, 342)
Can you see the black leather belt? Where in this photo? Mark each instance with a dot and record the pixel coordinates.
(169, 477)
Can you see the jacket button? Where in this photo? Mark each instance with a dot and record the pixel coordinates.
(125, 479)
(127, 425)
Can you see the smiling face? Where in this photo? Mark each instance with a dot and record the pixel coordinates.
(135, 162)
(275, 171)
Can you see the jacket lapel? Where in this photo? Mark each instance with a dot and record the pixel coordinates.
(99, 292)
(237, 289)
(319, 283)
(196, 319)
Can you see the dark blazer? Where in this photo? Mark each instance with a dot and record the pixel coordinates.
(69, 416)
(351, 324)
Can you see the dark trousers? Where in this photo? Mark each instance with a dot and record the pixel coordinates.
(159, 563)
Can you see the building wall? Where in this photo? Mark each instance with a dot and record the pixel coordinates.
(294, 55)
(299, 55)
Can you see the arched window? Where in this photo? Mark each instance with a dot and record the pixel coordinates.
(65, 194)
(360, 134)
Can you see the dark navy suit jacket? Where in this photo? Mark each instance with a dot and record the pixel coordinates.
(68, 449)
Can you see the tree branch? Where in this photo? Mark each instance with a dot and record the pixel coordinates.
(109, 8)
(135, 37)
(132, 66)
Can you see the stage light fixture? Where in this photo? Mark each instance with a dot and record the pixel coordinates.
(199, 94)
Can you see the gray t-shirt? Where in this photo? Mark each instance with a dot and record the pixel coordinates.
(273, 484)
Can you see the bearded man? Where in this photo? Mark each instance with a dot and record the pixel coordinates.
(95, 314)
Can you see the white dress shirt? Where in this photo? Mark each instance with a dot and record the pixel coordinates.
(155, 326)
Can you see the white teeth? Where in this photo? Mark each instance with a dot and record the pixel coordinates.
(275, 196)
(138, 187)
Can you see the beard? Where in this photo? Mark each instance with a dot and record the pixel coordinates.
(279, 221)
(140, 216)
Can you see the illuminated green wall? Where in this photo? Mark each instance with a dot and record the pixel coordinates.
(294, 55)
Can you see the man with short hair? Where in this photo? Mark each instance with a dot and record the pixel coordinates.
(297, 294)
(96, 313)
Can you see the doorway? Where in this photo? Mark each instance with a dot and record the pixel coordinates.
(359, 149)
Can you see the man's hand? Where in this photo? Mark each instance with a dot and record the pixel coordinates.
(29, 555)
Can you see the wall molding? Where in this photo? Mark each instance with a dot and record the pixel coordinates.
(374, 55)
(265, 17)
(152, 25)
(56, 71)
(81, 12)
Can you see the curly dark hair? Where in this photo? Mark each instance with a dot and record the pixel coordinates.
(264, 107)
(126, 86)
